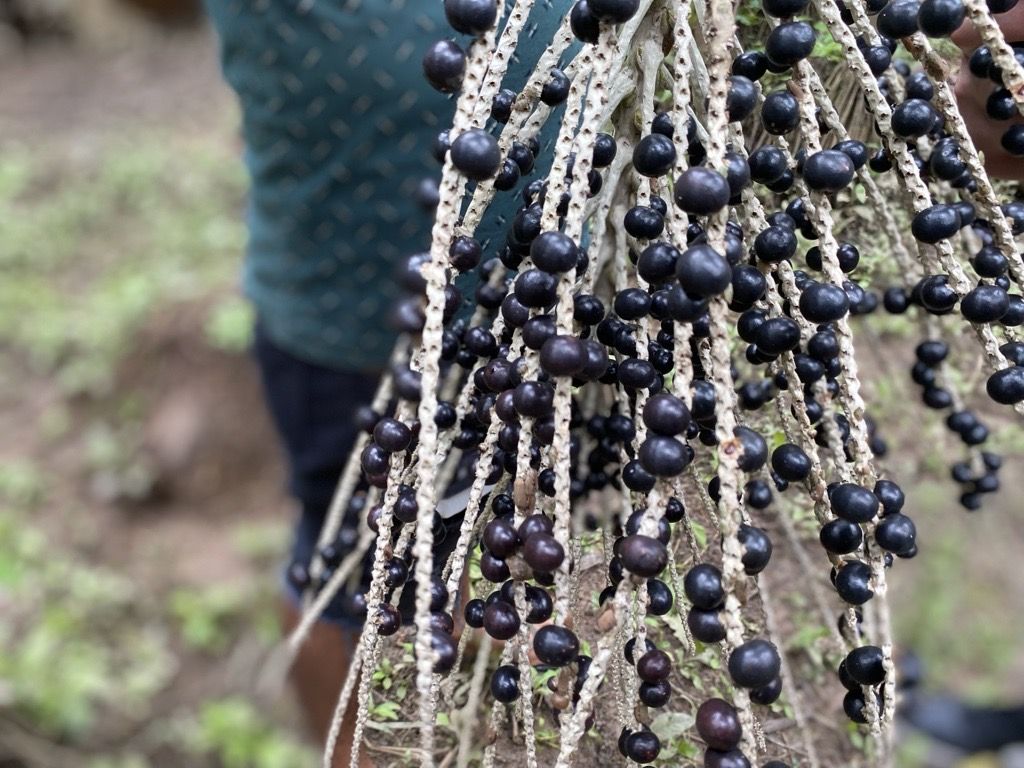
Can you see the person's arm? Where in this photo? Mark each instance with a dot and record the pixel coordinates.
(972, 92)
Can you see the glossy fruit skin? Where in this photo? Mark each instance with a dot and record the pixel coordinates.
(775, 244)
(446, 650)
(755, 449)
(783, 9)
(703, 586)
(655, 694)
(718, 723)
(505, 684)
(444, 64)
(584, 24)
(754, 664)
(940, 18)
(556, 646)
(828, 170)
(789, 43)
(898, 18)
(543, 552)
(705, 625)
(645, 223)
(865, 665)
(1013, 140)
(767, 694)
(741, 100)
(780, 113)
(471, 17)
(823, 303)
(937, 295)
(984, 304)
(841, 537)
(702, 271)
(734, 758)
(853, 583)
(767, 164)
(854, 502)
(757, 549)
(750, 64)
(501, 621)
(1006, 386)
(642, 746)
(701, 191)
(913, 118)
(935, 223)
(475, 153)
(777, 335)
(666, 414)
(643, 555)
(474, 613)
(653, 666)
(654, 155)
(791, 462)
(614, 11)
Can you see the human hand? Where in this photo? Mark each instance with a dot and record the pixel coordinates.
(972, 93)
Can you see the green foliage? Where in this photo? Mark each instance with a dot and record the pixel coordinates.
(209, 618)
(72, 646)
(230, 324)
(69, 300)
(237, 736)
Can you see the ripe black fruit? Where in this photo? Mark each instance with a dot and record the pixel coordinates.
(556, 646)
(653, 666)
(828, 170)
(898, 18)
(853, 583)
(841, 537)
(865, 665)
(666, 414)
(789, 43)
(654, 155)
(614, 11)
(757, 549)
(791, 463)
(775, 244)
(780, 113)
(754, 664)
(940, 18)
(702, 271)
(554, 252)
(983, 304)
(853, 502)
(543, 552)
(705, 625)
(1006, 386)
(913, 118)
(703, 586)
(643, 555)
(701, 191)
(501, 620)
(584, 23)
(718, 723)
(505, 684)
(471, 17)
(444, 64)
(823, 302)
(475, 153)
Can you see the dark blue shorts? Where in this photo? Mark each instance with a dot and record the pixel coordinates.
(313, 408)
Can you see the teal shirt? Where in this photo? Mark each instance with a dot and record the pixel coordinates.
(338, 123)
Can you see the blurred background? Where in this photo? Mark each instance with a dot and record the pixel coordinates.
(142, 518)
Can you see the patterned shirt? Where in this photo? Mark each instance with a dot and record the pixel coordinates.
(338, 124)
